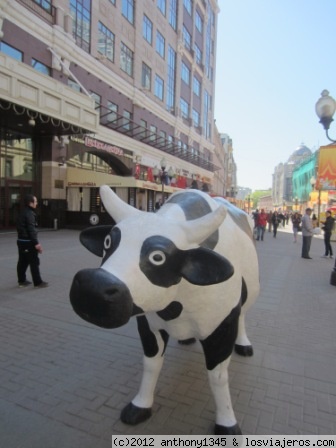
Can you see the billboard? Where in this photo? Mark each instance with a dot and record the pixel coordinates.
(326, 174)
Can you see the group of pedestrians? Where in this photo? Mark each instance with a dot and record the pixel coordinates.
(263, 219)
(305, 224)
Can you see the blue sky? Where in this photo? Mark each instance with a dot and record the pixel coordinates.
(274, 58)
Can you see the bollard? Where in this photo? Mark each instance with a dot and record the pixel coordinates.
(55, 224)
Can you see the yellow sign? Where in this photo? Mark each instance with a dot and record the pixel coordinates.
(326, 175)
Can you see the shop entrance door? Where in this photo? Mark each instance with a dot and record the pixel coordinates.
(12, 194)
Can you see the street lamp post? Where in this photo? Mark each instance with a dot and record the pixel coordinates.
(325, 109)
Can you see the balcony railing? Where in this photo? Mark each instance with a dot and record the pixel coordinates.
(119, 123)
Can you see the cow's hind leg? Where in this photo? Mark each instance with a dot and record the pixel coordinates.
(154, 344)
(217, 349)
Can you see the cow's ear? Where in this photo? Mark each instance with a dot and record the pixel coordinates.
(93, 238)
(205, 267)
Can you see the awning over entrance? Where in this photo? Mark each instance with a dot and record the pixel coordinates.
(35, 104)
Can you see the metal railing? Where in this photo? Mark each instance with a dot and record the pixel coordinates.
(119, 123)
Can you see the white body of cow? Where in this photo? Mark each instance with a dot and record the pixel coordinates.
(188, 271)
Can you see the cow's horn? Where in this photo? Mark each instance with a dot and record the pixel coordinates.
(200, 229)
(116, 207)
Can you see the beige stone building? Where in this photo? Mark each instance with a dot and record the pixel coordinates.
(112, 92)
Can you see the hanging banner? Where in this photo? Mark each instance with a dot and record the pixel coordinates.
(326, 175)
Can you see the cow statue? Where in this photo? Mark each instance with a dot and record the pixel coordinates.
(189, 271)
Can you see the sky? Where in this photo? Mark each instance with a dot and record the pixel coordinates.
(274, 58)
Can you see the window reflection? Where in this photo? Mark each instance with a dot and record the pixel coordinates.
(17, 159)
(89, 161)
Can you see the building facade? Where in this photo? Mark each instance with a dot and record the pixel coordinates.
(112, 92)
(283, 195)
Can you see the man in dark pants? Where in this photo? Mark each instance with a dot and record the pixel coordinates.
(28, 245)
(307, 233)
(328, 228)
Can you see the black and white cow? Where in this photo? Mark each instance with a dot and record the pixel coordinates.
(189, 271)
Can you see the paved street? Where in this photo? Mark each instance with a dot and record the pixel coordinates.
(64, 381)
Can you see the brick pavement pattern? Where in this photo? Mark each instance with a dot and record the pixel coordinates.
(64, 381)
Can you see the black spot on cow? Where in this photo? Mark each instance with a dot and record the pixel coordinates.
(215, 351)
(148, 339)
(239, 216)
(172, 311)
(165, 265)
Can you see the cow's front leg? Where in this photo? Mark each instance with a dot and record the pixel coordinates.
(154, 344)
(217, 349)
(226, 422)
(243, 345)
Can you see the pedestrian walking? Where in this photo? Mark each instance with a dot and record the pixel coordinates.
(307, 234)
(261, 224)
(255, 215)
(328, 226)
(296, 221)
(275, 223)
(28, 245)
(314, 220)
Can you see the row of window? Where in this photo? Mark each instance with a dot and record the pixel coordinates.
(81, 12)
(81, 15)
(126, 63)
(18, 55)
(147, 32)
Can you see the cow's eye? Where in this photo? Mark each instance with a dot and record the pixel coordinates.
(107, 242)
(157, 257)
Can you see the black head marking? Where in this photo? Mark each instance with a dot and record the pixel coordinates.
(164, 264)
(195, 206)
(161, 261)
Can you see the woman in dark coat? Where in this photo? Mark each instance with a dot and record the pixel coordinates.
(275, 223)
(296, 221)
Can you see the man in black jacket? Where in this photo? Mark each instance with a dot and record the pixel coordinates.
(328, 228)
(28, 245)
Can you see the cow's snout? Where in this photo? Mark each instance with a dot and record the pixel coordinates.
(100, 298)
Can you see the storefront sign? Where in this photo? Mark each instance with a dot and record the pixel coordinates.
(81, 184)
(93, 143)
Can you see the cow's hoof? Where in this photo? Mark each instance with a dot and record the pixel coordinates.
(187, 341)
(132, 415)
(244, 350)
(227, 430)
